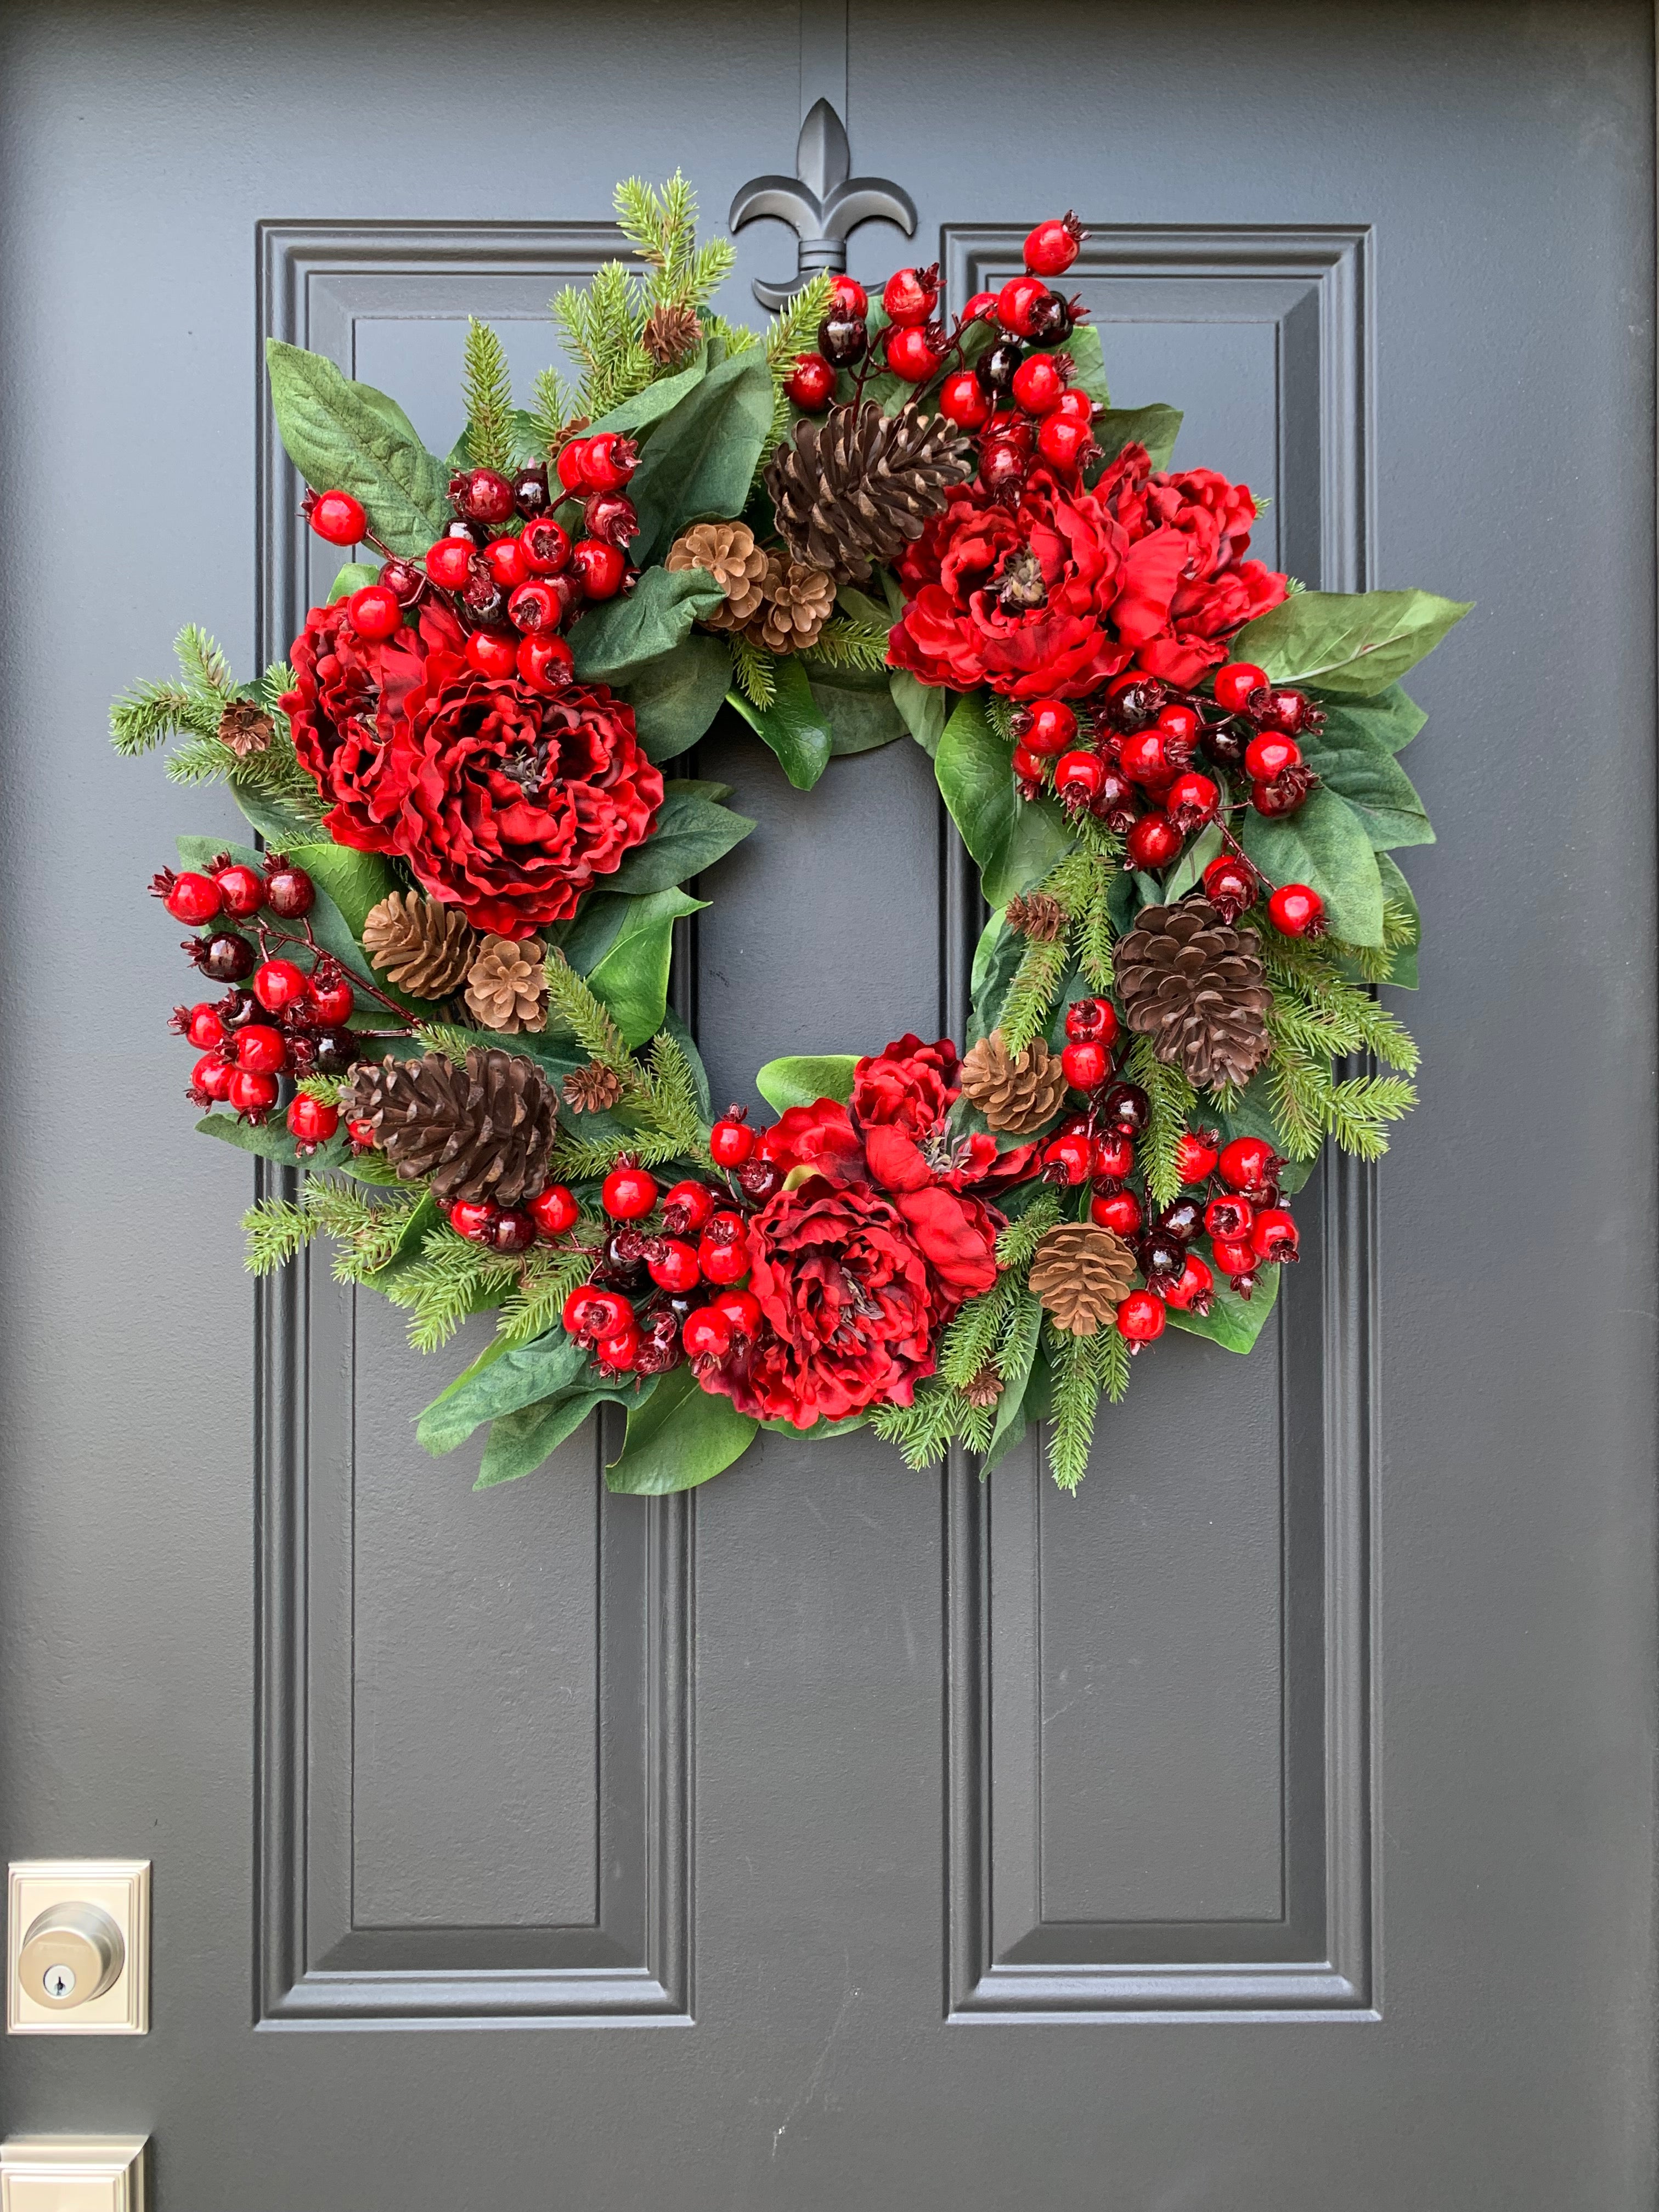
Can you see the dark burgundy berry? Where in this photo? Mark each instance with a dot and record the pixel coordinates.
(624, 1266)
(1051, 320)
(483, 599)
(513, 1230)
(1225, 746)
(996, 366)
(611, 517)
(1230, 886)
(404, 581)
(238, 1007)
(481, 495)
(1126, 1109)
(336, 1049)
(1286, 794)
(530, 493)
(1138, 705)
(290, 891)
(1182, 1220)
(843, 340)
(1288, 713)
(758, 1178)
(224, 957)
(1162, 1257)
(474, 534)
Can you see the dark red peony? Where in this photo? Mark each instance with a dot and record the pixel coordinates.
(514, 803)
(907, 1083)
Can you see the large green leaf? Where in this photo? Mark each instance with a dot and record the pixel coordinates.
(356, 882)
(1355, 642)
(650, 405)
(996, 959)
(801, 1081)
(281, 824)
(1391, 718)
(270, 1141)
(349, 437)
(499, 1382)
(1323, 844)
(692, 833)
(1351, 762)
(1233, 1322)
(925, 708)
(794, 726)
(1018, 1353)
(1014, 841)
(1156, 427)
(1088, 362)
(676, 697)
(632, 977)
(859, 709)
(520, 1443)
(700, 459)
(355, 576)
(612, 642)
(1398, 892)
(682, 1437)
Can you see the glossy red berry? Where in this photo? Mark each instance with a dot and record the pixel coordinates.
(1195, 1158)
(1267, 757)
(1079, 777)
(1230, 885)
(375, 612)
(687, 1206)
(545, 663)
(362, 1134)
(1295, 910)
(449, 562)
(1234, 683)
(1153, 842)
(1067, 1157)
(1248, 1163)
(493, 653)
(1003, 467)
(1283, 795)
(612, 517)
(723, 1253)
(1141, 1317)
(336, 516)
(311, 1122)
(1181, 725)
(608, 461)
(1234, 1258)
(1087, 1063)
(242, 888)
(1030, 768)
(843, 340)
(1074, 405)
(262, 1048)
(330, 1000)
(1126, 1109)
(201, 1025)
(1143, 758)
(847, 296)
(911, 354)
(190, 898)
(1053, 246)
(910, 295)
(1228, 1218)
(504, 558)
(554, 1211)
(279, 984)
(590, 1313)
(251, 1093)
(290, 891)
(1274, 1236)
(546, 546)
(673, 1267)
(1040, 381)
(812, 382)
(980, 308)
(600, 567)
(211, 1077)
(1113, 1157)
(1191, 801)
(571, 465)
(731, 1141)
(535, 607)
(1193, 1290)
(628, 1193)
(224, 957)
(1064, 444)
(481, 496)
(1117, 1210)
(1092, 1017)
(1046, 726)
(742, 1311)
(619, 1354)
(706, 1333)
(963, 400)
(1288, 712)
(1019, 303)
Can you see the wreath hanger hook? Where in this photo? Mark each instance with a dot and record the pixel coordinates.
(821, 203)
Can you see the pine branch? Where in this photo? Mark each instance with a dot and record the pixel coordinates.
(444, 1037)
(1112, 1351)
(584, 1160)
(1018, 1242)
(1360, 1109)
(973, 1332)
(278, 679)
(671, 1104)
(205, 669)
(601, 328)
(491, 437)
(1173, 1102)
(793, 331)
(447, 1282)
(573, 1002)
(1298, 1089)
(546, 1281)
(151, 714)
(1077, 1391)
(1094, 929)
(1000, 715)
(923, 1430)
(755, 669)
(848, 642)
(555, 407)
(276, 1230)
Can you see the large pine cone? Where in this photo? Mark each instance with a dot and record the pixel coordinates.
(1195, 986)
(728, 551)
(855, 489)
(1016, 1092)
(1079, 1273)
(481, 1131)
(419, 944)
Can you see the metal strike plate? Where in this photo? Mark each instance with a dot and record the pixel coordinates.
(73, 2173)
(77, 1947)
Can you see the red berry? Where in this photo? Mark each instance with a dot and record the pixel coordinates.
(1079, 777)
(1063, 443)
(336, 516)
(590, 1313)
(628, 1193)
(554, 1211)
(1003, 465)
(980, 308)
(600, 567)
(1046, 726)
(572, 465)
(1195, 1158)
(331, 1001)
(1288, 712)
(1283, 795)
(812, 382)
(910, 295)
(261, 1048)
(1040, 381)
(609, 459)
(361, 1133)
(449, 562)
(723, 1254)
(311, 1122)
(1191, 801)
(731, 1141)
(1181, 725)
(1247, 1162)
(504, 558)
(1113, 1157)
(375, 612)
(1230, 886)
(481, 496)
(706, 1333)
(1143, 758)
(1140, 1318)
(674, 1266)
(687, 1205)
(1235, 683)
(1086, 1065)
(471, 1218)
(514, 1230)
(910, 354)
(201, 1025)
(1228, 1218)
(493, 652)
(224, 957)
(1266, 758)
(546, 663)
(546, 547)
(279, 984)
(212, 1075)
(1234, 1258)
(1193, 1290)
(963, 400)
(1074, 405)
(1153, 842)
(848, 296)
(251, 1093)
(190, 898)
(1028, 767)
(621, 1352)
(1018, 303)
(534, 607)
(1071, 1155)
(288, 891)
(1295, 910)
(1092, 1017)
(741, 1310)
(1274, 1236)
(1053, 246)
(242, 889)
(1118, 1210)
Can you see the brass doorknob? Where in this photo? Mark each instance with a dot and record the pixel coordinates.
(70, 1954)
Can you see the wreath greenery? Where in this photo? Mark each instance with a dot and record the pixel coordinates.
(444, 971)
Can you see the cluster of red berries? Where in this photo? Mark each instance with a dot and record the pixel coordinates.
(290, 1021)
(515, 575)
(1132, 765)
(1018, 401)
(1242, 1217)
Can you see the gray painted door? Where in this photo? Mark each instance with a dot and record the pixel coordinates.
(1268, 1831)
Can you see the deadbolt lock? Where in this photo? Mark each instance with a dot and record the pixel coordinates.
(77, 1948)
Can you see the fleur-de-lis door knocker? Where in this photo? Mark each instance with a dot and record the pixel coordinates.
(821, 203)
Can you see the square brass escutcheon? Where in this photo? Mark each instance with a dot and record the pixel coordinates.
(80, 1928)
(73, 2173)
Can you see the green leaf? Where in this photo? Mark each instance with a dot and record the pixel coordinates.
(925, 706)
(356, 882)
(612, 642)
(676, 697)
(520, 1443)
(794, 726)
(1088, 362)
(499, 1382)
(657, 400)
(682, 1437)
(1156, 427)
(859, 709)
(349, 437)
(1192, 864)
(270, 1141)
(1365, 774)
(355, 576)
(1398, 892)
(1016, 1361)
(1323, 844)
(996, 961)
(1355, 642)
(699, 459)
(632, 977)
(1014, 841)
(803, 1080)
(1390, 719)
(283, 826)
(1233, 1322)
(692, 833)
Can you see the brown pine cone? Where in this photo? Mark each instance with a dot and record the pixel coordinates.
(594, 1089)
(419, 944)
(507, 985)
(245, 728)
(728, 551)
(798, 602)
(1196, 986)
(670, 334)
(480, 1131)
(856, 486)
(1039, 915)
(1079, 1273)
(1017, 1093)
(984, 1389)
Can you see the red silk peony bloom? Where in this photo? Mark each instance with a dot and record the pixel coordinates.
(513, 803)
(908, 1083)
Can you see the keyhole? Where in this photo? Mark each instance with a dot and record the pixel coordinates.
(58, 1982)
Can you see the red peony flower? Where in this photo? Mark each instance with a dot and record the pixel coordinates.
(908, 1083)
(819, 1137)
(514, 803)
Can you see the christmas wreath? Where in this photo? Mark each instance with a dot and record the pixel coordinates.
(437, 990)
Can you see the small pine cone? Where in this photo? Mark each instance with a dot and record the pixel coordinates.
(1079, 1273)
(856, 487)
(594, 1089)
(984, 1390)
(798, 602)
(728, 551)
(506, 986)
(1196, 986)
(480, 1131)
(420, 944)
(1037, 915)
(245, 728)
(670, 334)
(1018, 1092)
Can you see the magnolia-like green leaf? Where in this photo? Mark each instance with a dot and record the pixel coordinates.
(1014, 841)
(925, 708)
(356, 882)
(1156, 427)
(521, 1442)
(1398, 892)
(1323, 844)
(1353, 643)
(1365, 774)
(1088, 362)
(858, 708)
(692, 833)
(794, 726)
(281, 824)
(996, 960)
(683, 1435)
(676, 697)
(1390, 719)
(657, 400)
(803, 1080)
(500, 1380)
(349, 437)
(612, 642)
(1233, 1322)
(699, 460)
(270, 1141)
(355, 576)
(632, 977)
